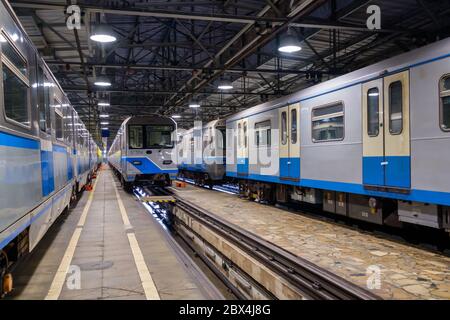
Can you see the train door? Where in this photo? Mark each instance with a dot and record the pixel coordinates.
(242, 147)
(289, 150)
(386, 137)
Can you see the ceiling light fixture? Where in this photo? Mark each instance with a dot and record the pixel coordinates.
(289, 43)
(194, 104)
(103, 33)
(225, 85)
(102, 81)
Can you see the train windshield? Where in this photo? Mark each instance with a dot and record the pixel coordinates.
(159, 136)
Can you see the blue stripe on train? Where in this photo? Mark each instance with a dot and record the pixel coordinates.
(395, 173)
(11, 140)
(426, 196)
(48, 181)
(242, 165)
(146, 166)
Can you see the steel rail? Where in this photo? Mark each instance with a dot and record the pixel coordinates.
(311, 280)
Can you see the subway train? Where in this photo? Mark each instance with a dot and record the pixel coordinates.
(372, 145)
(206, 166)
(143, 151)
(46, 153)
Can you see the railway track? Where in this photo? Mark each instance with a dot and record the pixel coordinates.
(309, 280)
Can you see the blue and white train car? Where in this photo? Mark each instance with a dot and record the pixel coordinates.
(201, 153)
(372, 144)
(40, 144)
(143, 151)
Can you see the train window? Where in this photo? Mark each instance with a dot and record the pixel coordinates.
(15, 95)
(159, 136)
(294, 126)
(41, 99)
(283, 127)
(373, 119)
(239, 135)
(15, 83)
(13, 55)
(59, 126)
(245, 134)
(396, 107)
(136, 139)
(445, 102)
(328, 123)
(46, 88)
(262, 133)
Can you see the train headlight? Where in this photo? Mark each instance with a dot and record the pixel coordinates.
(167, 162)
(137, 162)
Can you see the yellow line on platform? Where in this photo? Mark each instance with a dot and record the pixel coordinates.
(151, 293)
(61, 273)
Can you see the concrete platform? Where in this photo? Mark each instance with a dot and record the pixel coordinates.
(109, 247)
(391, 269)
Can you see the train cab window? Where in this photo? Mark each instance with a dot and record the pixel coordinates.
(262, 134)
(445, 102)
(396, 107)
(59, 126)
(328, 123)
(373, 118)
(136, 138)
(159, 136)
(294, 126)
(15, 83)
(283, 127)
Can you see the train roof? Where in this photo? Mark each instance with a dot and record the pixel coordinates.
(406, 60)
(149, 119)
(210, 124)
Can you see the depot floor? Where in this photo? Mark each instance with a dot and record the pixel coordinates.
(108, 247)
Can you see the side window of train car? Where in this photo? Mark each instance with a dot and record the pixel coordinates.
(245, 134)
(136, 137)
(15, 83)
(239, 135)
(373, 117)
(58, 120)
(445, 102)
(294, 126)
(328, 123)
(396, 107)
(46, 88)
(284, 127)
(41, 99)
(262, 134)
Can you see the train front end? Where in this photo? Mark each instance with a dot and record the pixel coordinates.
(150, 154)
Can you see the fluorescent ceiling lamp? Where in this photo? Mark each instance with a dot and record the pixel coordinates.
(103, 33)
(373, 94)
(104, 128)
(104, 123)
(194, 104)
(102, 82)
(225, 85)
(176, 116)
(104, 116)
(289, 44)
(103, 104)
